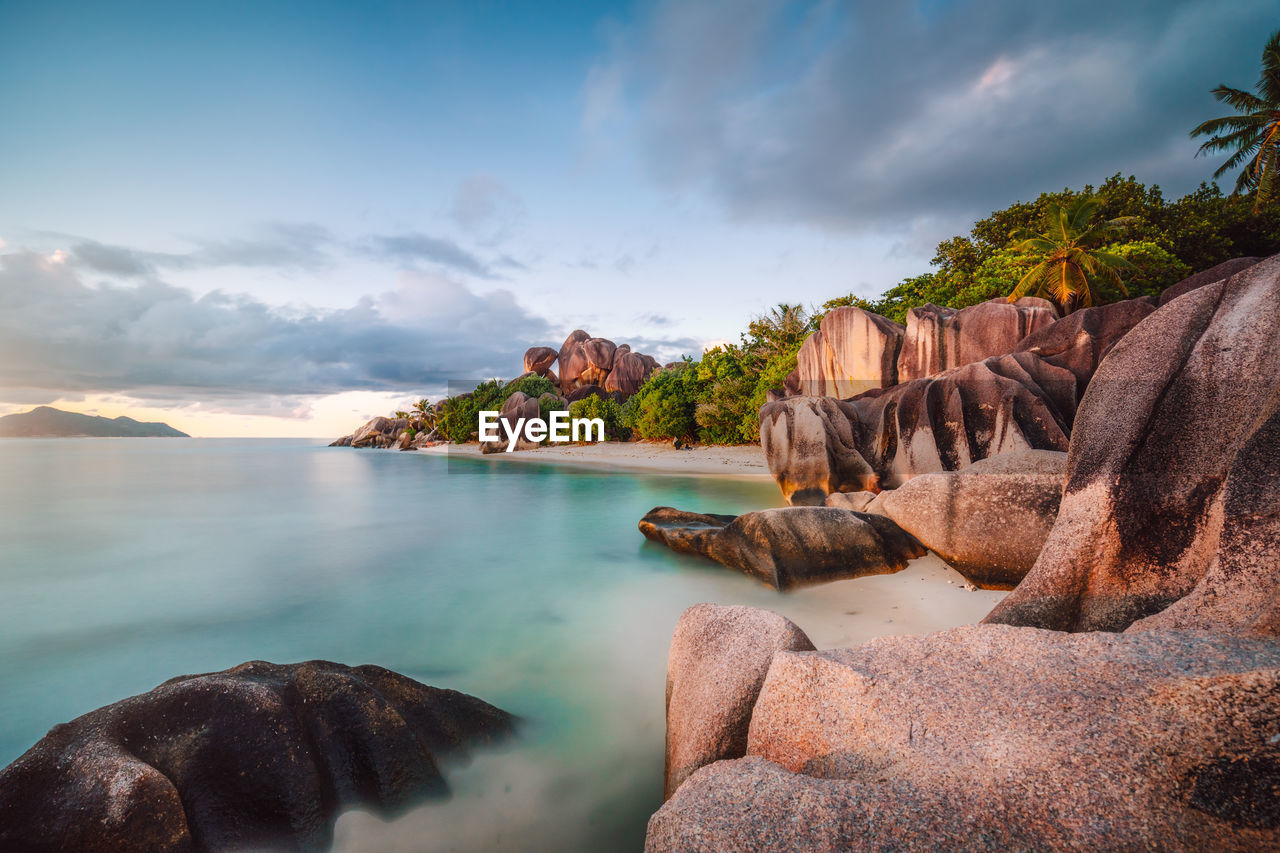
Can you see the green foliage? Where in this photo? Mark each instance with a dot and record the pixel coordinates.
(534, 386)
(1068, 264)
(1253, 135)
(664, 406)
(607, 410)
(1153, 269)
(459, 417)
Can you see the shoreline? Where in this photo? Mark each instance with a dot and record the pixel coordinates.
(743, 462)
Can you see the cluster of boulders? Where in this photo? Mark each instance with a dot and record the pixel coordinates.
(590, 365)
(964, 385)
(587, 366)
(1125, 695)
(258, 757)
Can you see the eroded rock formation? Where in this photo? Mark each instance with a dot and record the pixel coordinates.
(939, 339)
(1168, 466)
(261, 756)
(788, 547)
(988, 520)
(852, 351)
(999, 738)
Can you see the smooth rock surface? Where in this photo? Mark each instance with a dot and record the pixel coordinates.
(538, 360)
(852, 351)
(938, 339)
(261, 756)
(1180, 397)
(1221, 272)
(988, 520)
(1080, 340)
(809, 445)
(718, 660)
(1000, 738)
(788, 547)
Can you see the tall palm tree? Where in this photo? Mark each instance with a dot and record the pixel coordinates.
(1254, 135)
(1068, 265)
(784, 327)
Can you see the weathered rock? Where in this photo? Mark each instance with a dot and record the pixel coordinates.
(1179, 403)
(810, 447)
(939, 339)
(582, 392)
(856, 501)
(260, 756)
(940, 423)
(599, 353)
(999, 738)
(1080, 340)
(987, 520)
(379, 432)
(788, 547)
(519, 405)
(572, 361)
(539, 360)
(852, 351)
(718, 660)
(630, 370)
(1221, 272)
(345, 441)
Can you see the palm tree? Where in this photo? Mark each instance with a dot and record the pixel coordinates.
(1254, 135)
(426, 414)
(784, 327)
(1068, 264)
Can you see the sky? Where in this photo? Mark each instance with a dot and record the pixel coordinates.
(283, 218)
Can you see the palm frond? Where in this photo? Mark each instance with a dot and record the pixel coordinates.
(1239, 99)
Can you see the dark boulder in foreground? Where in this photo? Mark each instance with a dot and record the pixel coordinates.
(788, 547)
(258, 756)
(718, 661)
(998, 738)
(1169, 468)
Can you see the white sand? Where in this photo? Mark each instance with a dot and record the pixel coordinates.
(746, 461)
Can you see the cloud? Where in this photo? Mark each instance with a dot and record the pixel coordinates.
(487, 209)
(160, 342)
(411, 248)
(872, 115)
(301, 247)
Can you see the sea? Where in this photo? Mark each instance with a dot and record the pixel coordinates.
(126, 562)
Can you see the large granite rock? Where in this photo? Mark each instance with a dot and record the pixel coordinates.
(987, 520)
(852, 351)
(598, 353)
(938, 339)
(1174, 427)
(810, 448)
(999, 738)
(516, 407)
(538, 360)
(379, 432)
(881, 439)
(261, 756)
(1221, 272)
(1080, 340)
(572, 361)
(630, 371)
(788, 547)
(718, 660)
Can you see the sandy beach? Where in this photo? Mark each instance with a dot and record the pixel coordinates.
(744, 462)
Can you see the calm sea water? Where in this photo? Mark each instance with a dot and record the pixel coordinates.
(124, 562)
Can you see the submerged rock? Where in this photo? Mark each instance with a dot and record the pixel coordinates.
(1168, 467)
(988, 520)
(718, 660)
(788, 547)
(999, 738)
(258, 756)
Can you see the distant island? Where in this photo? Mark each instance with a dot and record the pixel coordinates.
(46, 422)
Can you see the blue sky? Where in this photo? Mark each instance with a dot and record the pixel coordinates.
(278, 218)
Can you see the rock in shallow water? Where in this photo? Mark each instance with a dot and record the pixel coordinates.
(790, 546)
(1000, 738)
(258, 756)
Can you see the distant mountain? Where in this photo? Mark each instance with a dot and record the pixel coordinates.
(45, 422)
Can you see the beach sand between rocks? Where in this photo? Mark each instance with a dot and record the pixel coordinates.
(744, 461)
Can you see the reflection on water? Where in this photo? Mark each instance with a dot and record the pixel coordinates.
(126, 562)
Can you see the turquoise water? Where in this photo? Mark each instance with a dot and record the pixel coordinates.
(126, 562)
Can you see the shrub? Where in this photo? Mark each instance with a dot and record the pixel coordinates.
(664, 406)
(607, 410)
